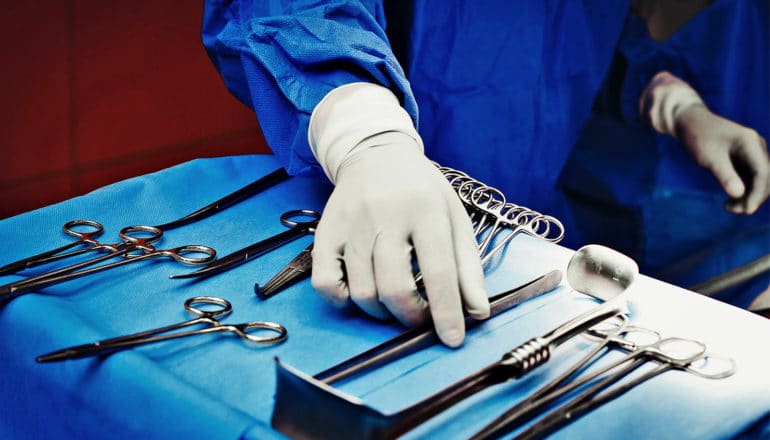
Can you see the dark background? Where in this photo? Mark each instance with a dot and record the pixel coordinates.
(95, 92)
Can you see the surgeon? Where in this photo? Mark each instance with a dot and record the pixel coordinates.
(497, 89)
(676, 150)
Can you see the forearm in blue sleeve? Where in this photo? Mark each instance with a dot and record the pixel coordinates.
(281, 58)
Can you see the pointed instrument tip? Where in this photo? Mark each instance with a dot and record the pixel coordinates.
(195, 274)
(56, 356)
(215, 267)
(12, 268)
(265, 292)
(7, 270)
(183, 275)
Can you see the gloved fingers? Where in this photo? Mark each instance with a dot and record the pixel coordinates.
(328, 275)
(755, 159)
(469, 270)
(748, 159)
(727, 175)
(436, 258)
(361, 281)
(395, 280)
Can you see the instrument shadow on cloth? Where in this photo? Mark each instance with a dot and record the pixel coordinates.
(308, 408)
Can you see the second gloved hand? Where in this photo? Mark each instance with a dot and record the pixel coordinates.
(736, 155)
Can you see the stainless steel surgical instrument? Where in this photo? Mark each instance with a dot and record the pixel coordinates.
(329, 413)
(643, 345)
(236, 196)
(418, 338)
(136, 246)
(297, 269)
(614, 335)
(669, 353)
(297, 229)
(207, 318)
(86, 232)
(88, 238)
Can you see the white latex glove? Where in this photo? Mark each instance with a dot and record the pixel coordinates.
(389, 202)
(736, 155)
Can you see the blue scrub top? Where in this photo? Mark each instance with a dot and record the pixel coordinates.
(661, 207)
(501, 89)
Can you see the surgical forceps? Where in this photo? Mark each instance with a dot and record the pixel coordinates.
(617, 333)
(588, 399)
(297, 229)
(85, 238)
(298, 268)
(643, 345)
(88, 238)
(136, 246)
(490, 213)
(203, 316)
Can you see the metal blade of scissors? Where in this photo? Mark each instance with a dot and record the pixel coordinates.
(297, 228)
(18, 266)
(243, 255)
(241, 194)
(298, 269)
(420, 337)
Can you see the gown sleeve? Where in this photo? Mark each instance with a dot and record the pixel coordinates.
(281, 58)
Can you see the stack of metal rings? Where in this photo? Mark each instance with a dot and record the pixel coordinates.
(493, 216)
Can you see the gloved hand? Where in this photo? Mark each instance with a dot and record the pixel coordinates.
(736, 155)
(390, 201)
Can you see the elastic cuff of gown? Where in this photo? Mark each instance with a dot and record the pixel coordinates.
(351, 114)
(664, 99)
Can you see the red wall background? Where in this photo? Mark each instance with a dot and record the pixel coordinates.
(94, 92)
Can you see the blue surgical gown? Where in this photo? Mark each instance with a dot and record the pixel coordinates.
(498, 89)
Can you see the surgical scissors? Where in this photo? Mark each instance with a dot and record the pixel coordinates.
(615, 331)
(297, 229)
(225, 202)
(203, 316)
(85, 238)
(643, 345)
(135, 239)
(668, 360)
